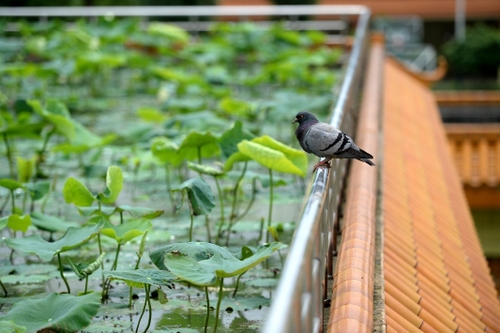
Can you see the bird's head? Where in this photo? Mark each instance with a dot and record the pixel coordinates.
(303, 117)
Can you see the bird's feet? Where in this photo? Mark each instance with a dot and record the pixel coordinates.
(322, 164)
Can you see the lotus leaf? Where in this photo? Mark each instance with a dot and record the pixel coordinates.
(62, 313)
(73, 238)
(139, 277)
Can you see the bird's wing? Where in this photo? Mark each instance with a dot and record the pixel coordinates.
(324, 140)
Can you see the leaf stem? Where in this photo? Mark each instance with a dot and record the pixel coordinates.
(191, 226)
(208, 308)
(169, 186)
(6, 294)
(13, 200)
(146, 302)
(271, 194)
(219, 300)
(86, 284)
(61, 271)
(235, 197)
(237, 284)
(9, 155)
(221, 202)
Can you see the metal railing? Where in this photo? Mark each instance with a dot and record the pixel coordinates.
(297, 305)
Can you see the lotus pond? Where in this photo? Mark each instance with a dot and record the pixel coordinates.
(149, 178)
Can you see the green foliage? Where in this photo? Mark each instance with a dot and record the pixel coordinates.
(205, 272)
(139, 277)
(64, 313)
(73, 238)
(76, 193)
(200, 195)
(271, 154)
(478, 55)
(127, 231)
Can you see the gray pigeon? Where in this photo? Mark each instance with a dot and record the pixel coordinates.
(326, 141)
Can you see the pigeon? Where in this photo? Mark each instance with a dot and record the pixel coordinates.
(324, 140)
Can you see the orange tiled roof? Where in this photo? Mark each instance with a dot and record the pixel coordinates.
(436, 277)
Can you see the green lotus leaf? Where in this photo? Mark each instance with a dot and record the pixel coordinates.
(76, 193)
(139, 277)
(17, 222)
(205, 169)
(298, 157)
(73, 238)
(127, 231)
(229, 140)
(114, 185)
(147, 213)
(169, 30)
(58, 312)
(56, 113)
(236, 107)
(11, 327)
(39, 189)
(200, 195)
(11, 184)
(206, 272)
(271, 154)
(195, 142)
(165, 150)
(234, 158)
(25, 168)
(198, 251)
(50, 223)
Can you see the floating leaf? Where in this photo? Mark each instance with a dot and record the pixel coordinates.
(25, 279)
(114, 185)
(76, 193)
(200, 195)
(240, 303)
(59, 312)
(162, 297)
(139, 277)
(73, 238)
(127, 231)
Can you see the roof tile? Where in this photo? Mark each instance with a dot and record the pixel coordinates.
(433, 264)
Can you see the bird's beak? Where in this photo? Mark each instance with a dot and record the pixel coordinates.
(295, 120)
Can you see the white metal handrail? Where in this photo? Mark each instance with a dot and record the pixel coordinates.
(297, 305)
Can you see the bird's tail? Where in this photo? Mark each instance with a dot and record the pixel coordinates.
(366, 157)
(367, 161)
